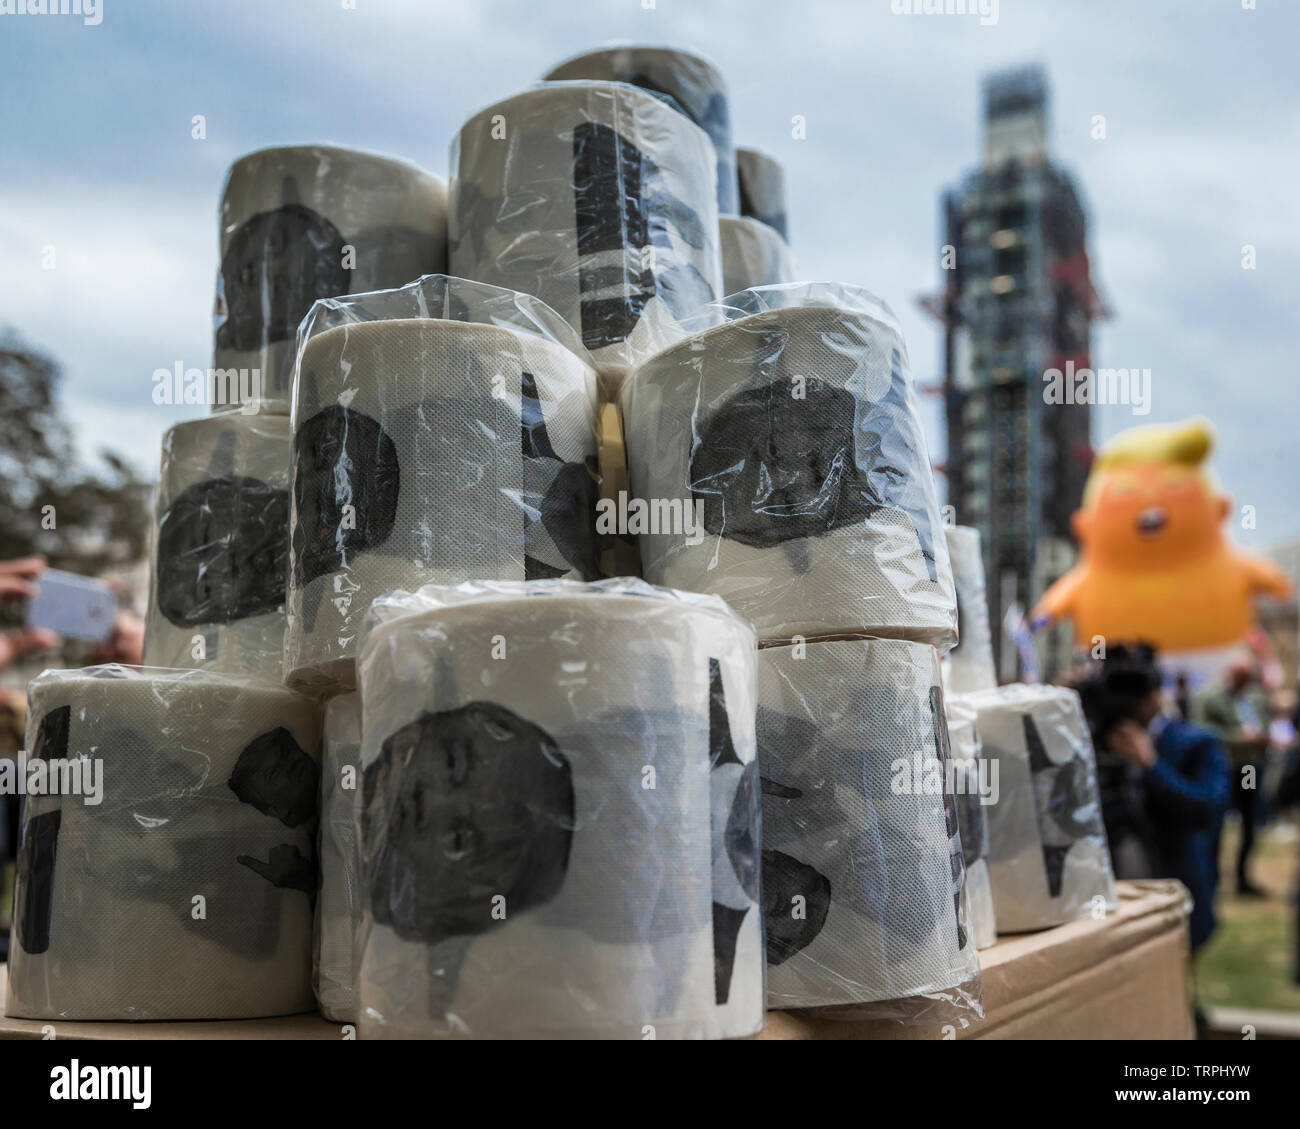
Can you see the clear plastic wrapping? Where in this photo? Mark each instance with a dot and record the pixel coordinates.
(442, 432)
(862, 859)
(786, 420)
(560, 821)
(762, 190)
(598, 199)
(1048, 858)
(221, 547)
(752, 255)
(969, 665)
(338, 908)
(308, 222)
(974, 786)
(688, 83)
(185, 891)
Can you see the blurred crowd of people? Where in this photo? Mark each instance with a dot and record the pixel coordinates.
(1171, 766)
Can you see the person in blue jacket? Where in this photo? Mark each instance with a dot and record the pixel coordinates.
(1186, 783)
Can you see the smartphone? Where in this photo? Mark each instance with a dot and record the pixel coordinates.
(73, 606)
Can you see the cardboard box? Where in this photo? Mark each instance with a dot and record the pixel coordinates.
(1125, 977)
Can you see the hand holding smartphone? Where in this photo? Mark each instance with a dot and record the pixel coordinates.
(75, 607)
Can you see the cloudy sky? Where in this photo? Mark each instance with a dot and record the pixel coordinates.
(1201, 156)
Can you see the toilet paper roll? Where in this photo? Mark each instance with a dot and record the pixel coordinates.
(1048, 858)
(974, 784)
(789, 432)
(441, 432)
(752, 255)
(308, 222)
(762, 189)
(338, 909)
(186, 891)
(598, 199)
(862, 861)
(560, 822)
(686, 82)
(969, 665)
(221, 547)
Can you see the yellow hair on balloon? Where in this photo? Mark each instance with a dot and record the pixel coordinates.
(1185, 444)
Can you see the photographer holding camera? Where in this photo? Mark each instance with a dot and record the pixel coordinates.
(1165, 782)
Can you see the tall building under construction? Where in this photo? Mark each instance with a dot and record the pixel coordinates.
(1018, 301)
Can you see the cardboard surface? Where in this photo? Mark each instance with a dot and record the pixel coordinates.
(1125, 977)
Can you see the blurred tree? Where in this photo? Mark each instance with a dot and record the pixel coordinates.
(82, 519)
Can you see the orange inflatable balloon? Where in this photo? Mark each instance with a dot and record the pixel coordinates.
(1154, 564)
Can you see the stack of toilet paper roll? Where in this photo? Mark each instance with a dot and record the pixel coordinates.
(969, 665)
(560, 822)
(338, 909)
(752, 255)
(596, 197)
(788, 431)
(755, 251)
(762, 190)
(862, 863)
(687, 82)
(976, 789)
(221, 547)
(1048, 859)
(184, 889)
(442, 432)
(309, 222)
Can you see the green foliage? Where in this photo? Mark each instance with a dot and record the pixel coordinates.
(100, 515)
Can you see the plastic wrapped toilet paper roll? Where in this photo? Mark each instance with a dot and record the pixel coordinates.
(973, 781)
(560, 820)
(969, 665)
(862, 861)
(308, 222)
(598, 199)
(338, 908)
(184, 890)
(789, 435)
(752, 255)
(221, 547)
(1048, 858)
(762, 189)
(687, 82)
(441, 432)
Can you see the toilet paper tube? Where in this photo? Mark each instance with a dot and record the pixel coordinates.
(762, 189)
(1048, 859)
(969, 665)
(560, 820)
(308, 222)
(441, 432)
(862, 861)
(974, 781)
(792, 429)
(752, 255)
(221, 547)
(598, 199)
(186, 892)
(338, 908)
(686, 82)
